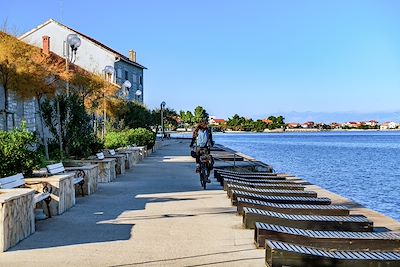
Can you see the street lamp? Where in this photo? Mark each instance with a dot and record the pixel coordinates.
(138, 93)
(108, 72)
(162, 118)
(72, 44)
(125, 88)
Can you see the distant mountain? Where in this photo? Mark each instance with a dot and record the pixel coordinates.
(340, 117)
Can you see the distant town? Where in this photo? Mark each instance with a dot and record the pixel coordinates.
(269, 122)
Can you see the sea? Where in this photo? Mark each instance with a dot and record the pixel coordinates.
(361, 166)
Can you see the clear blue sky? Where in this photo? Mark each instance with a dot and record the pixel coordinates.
(245, 57)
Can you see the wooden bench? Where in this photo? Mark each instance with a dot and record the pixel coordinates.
(326, 239)
(304, 209)
(280, 199)
(353, 223)
(270, 192)
(17, 180)
(58, 168)
(220, 177)
(219, 172)
(269, 185)
(285, 254)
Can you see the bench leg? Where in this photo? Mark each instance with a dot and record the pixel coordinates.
(81, 183)
(47, 201)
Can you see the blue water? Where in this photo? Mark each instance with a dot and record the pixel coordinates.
(361, 166)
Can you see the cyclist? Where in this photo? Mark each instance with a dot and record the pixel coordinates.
(202, 138)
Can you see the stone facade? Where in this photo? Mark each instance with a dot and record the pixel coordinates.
(22, 110)
(91, 176)
(17, 219)
(62, 194)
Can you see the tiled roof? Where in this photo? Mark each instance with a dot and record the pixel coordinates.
(124, 58)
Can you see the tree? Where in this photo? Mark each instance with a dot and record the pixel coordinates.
(236, 122)
(77, 132)
(187, 118)
(200, 114)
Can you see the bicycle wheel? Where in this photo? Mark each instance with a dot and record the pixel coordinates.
(203, 177)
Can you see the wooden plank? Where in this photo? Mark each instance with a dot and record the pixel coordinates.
(312, 222)
(269, 185)
(100, 155)
(285, 254)
(280, 199)
(326, 239)
(271, 192)
(12, 181)
(305, 209)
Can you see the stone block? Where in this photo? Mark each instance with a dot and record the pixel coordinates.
(17, 219)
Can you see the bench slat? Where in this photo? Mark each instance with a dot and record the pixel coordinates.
(40, 196)
(100, 155)
(12, 181)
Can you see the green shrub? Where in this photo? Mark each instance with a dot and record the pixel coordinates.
(18, 153)
(139, 136)
(78, 138)
(115, 140)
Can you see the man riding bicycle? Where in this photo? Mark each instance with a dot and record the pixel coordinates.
(202, 139)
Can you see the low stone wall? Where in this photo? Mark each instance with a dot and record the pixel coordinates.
(62, 191)
(106, 169)
(119, 163)
(91, 176)
(17, 218)
(129, 158)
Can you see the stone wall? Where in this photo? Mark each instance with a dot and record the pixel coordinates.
(17, 219)
(91, 175)
(62, 192)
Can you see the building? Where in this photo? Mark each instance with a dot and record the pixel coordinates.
(371, 123)
(388, 125)
(92, 56)
(308, 124)
(214, 121)
(293, 125)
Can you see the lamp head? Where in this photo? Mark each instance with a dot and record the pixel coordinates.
(127, 84)
(138, 92)
(109, 69)
(73, 41)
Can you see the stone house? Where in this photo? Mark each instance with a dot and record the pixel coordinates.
(92, 56)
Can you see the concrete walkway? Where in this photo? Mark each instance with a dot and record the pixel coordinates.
(154, 215)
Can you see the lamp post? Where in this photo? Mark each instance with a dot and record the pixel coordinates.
(126, 86)
(162, 118)
(108, 71)
(138, 93)
(72, 44)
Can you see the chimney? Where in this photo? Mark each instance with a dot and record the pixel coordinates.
(132, 55)
(46, 44)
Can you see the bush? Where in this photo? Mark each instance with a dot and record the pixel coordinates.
(18, 153)
(139, 136)
(115, 140)
(78, 138)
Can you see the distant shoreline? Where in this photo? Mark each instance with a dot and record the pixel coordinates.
(298, 131)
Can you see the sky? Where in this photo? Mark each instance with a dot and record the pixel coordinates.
(253, 58)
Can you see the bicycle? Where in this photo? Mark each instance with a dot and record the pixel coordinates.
(205, 166)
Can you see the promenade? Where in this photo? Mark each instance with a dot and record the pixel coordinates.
(156, 214)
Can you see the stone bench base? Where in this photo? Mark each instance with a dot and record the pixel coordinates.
(62, 191)
(17, 218)
(91, 175)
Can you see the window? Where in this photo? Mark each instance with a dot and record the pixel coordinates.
(141, 80)
(134, 78)
(126, 75)
(119, 73)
